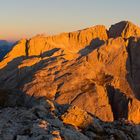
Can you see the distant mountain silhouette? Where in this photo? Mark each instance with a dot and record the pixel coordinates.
(5, 47)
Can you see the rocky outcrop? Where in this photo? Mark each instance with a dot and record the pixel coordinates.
(77, 117)
(87, 69)
(44, 119)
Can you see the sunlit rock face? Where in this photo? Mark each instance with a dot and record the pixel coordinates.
(94, 69)
(69, 42)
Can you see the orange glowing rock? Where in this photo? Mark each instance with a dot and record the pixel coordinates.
(86, 68)
(77, 117)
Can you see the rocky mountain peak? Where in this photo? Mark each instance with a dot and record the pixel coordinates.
(125, 29)
(78, 85)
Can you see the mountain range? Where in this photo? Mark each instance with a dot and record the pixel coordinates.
(81, 75)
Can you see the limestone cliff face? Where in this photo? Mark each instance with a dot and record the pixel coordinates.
(97, 73)
(69, 42)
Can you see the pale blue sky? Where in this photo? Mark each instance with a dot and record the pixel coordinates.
(25, 18)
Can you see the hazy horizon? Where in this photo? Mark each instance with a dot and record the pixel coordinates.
(24, 19)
